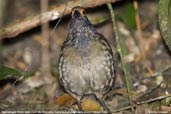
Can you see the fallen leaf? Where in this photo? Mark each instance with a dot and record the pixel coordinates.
(65, 100)
(90, 105)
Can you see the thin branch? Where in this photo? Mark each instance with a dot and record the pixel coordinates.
(45, 66)
(148, 92)
(138, 24)
(30, 22)
(143, 102)
(122, 109)
(153, 99)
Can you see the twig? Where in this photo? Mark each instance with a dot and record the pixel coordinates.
(45, 25)
(122, 109)
(45, 66)
(30, 22)
(60, 17)
(158, 73)
(140, 38)
(120, 51)
(148, 92)
(154, 99)
(143, 102)
(2, 11)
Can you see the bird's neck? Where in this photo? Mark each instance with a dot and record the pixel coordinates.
(81, 25)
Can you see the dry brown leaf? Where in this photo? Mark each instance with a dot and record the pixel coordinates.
(65, 100)
(90, 105)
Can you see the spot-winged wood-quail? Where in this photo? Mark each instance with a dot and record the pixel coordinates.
(86, 63)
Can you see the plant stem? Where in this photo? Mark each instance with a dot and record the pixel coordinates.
(120, 51)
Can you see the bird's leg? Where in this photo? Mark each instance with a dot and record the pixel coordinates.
(102, 103)
(79, 105)
(78, 99)
(106, 108)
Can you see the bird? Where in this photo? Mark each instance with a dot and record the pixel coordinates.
(86, 62)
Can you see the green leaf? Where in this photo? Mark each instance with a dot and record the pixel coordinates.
(128, 15)
(165, 20)
(6, 72)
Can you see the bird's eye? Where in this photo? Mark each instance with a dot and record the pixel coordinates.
(82, 12)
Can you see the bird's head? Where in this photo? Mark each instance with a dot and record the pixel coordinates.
(80, 24)
(77, 12)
